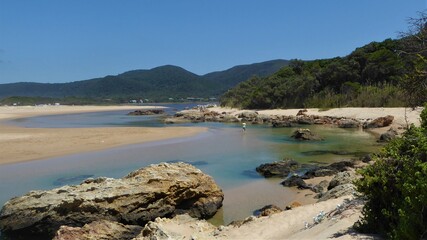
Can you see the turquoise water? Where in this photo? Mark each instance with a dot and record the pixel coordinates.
(224, 152)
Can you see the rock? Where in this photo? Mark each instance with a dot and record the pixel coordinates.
(388, 136)
(147, 112)
(342, 178)
(281, 123)
(268, 210)
(306, 135)
(295, 181)
(141, 196)
(319, 188)
(293, 205)
(101, 229)
(248, 115)
(306, 120)
(348, 123)
(330, 169)
(338, 191)
(380, 122)
(278, 169)
(302, 112)
(179, 227)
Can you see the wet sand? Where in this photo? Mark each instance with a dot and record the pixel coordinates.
(20, 144)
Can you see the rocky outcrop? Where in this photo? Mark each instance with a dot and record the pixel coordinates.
(146, 112)
(268, 210)
(330, 170)
(278, 169)
(101, 229)
(342, 178)
(306, 135)
(348, 123)
(155, 191)
(380, 122)
(179, 227)
(338, 191)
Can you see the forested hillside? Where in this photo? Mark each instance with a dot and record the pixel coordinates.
(165, 83)
(381, 74)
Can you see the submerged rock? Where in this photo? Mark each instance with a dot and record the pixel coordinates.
(161, 190)
(146, 112)
(306, 135)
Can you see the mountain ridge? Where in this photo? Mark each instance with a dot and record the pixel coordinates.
(157, 84)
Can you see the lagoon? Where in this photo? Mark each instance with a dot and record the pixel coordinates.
(225, 152)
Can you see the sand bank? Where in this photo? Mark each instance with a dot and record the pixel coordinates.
(24, 144)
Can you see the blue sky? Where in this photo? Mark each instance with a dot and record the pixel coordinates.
(63, 41)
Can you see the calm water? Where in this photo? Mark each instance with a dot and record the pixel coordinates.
(224, 152)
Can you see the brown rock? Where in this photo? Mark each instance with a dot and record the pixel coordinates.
(155, 191)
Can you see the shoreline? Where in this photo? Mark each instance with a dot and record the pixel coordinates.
(20, 144)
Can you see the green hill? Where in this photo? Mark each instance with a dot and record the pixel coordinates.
(157, 84)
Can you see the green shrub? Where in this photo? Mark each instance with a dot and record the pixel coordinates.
(396, 187)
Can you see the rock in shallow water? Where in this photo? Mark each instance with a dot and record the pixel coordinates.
(162, 190)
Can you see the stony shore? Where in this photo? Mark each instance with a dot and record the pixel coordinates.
(332, 217)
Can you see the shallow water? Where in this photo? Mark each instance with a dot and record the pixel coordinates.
(224, 152)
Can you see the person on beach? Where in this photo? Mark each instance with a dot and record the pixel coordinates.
(244, 126)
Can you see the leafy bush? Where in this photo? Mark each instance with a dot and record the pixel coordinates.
(396, 187)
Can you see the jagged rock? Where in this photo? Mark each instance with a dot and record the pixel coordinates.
(330, 169)
(179, 227)
(342, 178)
(268, 210)
(306, 135)
(380, 122)
(295, 181)
(176, 120)
(278, 169)
(101, 229)
(338, 191)
(348, 123)
(147, 112)
(141, 196)
(388, 136)
(319, 188)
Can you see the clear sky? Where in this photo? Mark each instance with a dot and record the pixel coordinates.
(71, 40)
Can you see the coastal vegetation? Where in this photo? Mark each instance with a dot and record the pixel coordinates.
(395, 187)
(390, 73)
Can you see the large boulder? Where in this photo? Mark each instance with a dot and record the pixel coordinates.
(141, 196)
(380, 122)
(279, 168)
(306, 135)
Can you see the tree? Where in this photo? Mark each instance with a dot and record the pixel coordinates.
(414, 46)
